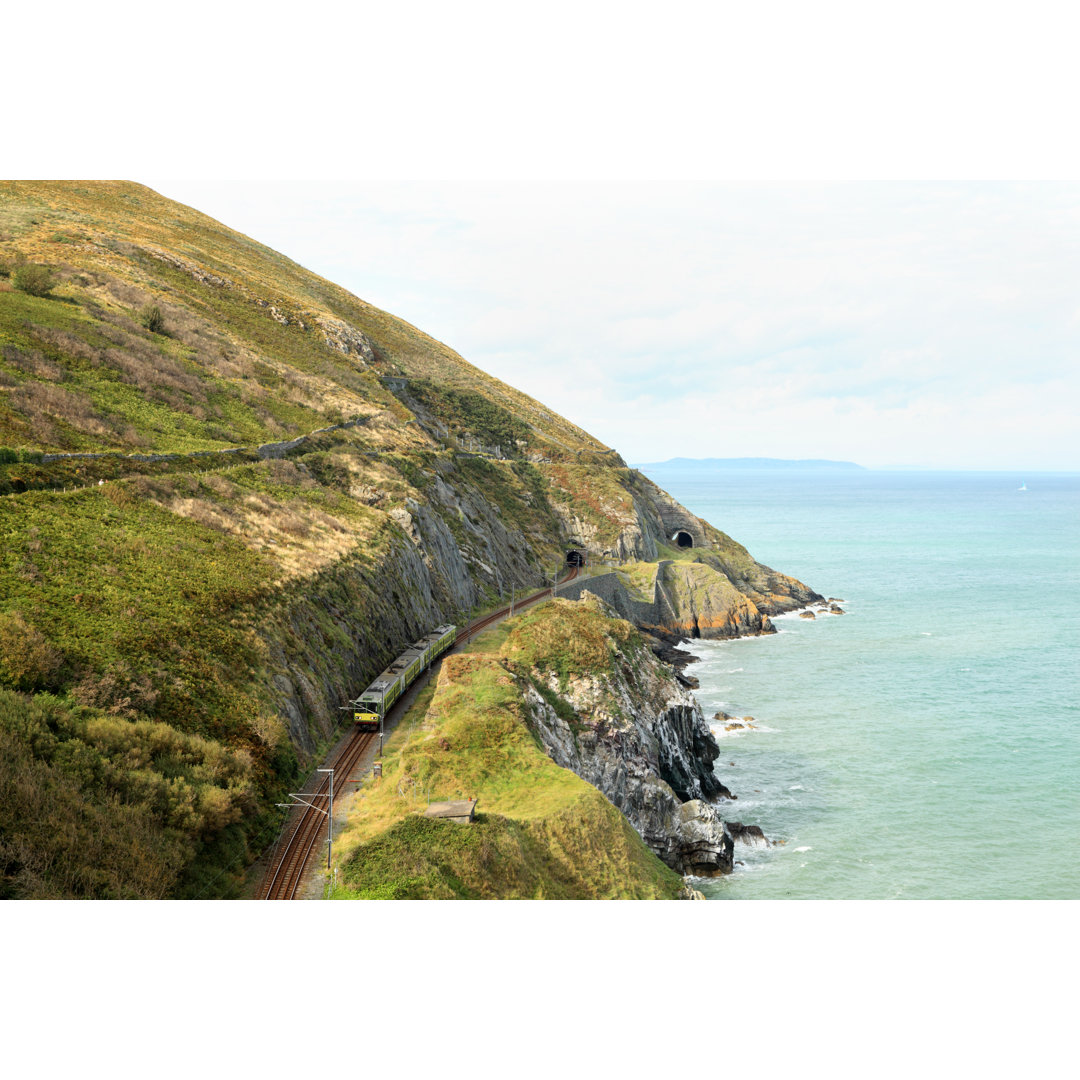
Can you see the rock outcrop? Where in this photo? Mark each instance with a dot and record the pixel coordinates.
(703, 603)
(640, 737)
(347, 339)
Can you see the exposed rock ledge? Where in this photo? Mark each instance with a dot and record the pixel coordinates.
(640, 737)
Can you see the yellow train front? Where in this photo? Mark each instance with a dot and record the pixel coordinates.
(374, 703)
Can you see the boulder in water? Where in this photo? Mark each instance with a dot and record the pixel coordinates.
(747, 834)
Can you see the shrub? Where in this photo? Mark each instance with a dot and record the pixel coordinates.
(7, 456)
(150, 316)
(27, 661)
(33, 279)
(119, 691)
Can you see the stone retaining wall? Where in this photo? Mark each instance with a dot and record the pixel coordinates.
(611, 590)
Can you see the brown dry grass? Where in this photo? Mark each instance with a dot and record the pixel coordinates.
(299, 536)
(44, 404)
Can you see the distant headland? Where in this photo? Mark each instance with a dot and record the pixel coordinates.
(749, 463)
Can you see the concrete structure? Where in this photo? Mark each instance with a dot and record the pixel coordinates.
(611, 590)
(460, 811)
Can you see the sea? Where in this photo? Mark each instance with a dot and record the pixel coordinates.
(925, 744)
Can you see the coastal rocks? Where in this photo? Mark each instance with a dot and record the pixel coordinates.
(690, 893)
(735, 723)
(700, 844)
(748, 834)
(677, 659)
(638, 736)
(824, 608)
(702, 603)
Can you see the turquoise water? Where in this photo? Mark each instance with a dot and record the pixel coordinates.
(925, 744)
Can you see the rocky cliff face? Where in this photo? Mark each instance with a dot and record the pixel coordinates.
(630, 729)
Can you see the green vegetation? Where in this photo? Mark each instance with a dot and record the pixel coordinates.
(100, 806)
(33, 279)
(640, 579)
(586, 852)
(541, 831)
(109, 577)
(473, 414)
(569, 639)
(151, 318)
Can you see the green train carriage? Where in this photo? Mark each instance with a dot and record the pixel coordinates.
(374, 703)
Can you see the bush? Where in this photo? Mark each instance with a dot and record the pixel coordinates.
(150, 316)
(33, 279)
(8, 456)
(27, 661)
(119, 691)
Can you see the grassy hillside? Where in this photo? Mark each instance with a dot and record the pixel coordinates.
(230, 493)
(205, 595)
(541, 832)
(249, 349)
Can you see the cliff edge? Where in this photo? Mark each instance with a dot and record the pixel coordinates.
(563, 705)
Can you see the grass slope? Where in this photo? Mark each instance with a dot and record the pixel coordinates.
(540, 832)
(251, 348)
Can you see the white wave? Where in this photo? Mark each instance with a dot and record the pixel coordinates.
(796, 787)
(804, 849)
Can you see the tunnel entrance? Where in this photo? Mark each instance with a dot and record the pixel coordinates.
(575, 558)
(683, 539)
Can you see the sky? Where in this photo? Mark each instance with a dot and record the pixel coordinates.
(829, 230)
(835, 230)
(894, 324)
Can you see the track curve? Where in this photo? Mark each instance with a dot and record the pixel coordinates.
(300, 836)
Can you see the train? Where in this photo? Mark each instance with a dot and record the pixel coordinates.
(372, 705)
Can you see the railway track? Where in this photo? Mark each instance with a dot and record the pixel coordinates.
(482, 624)
(300, 838)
